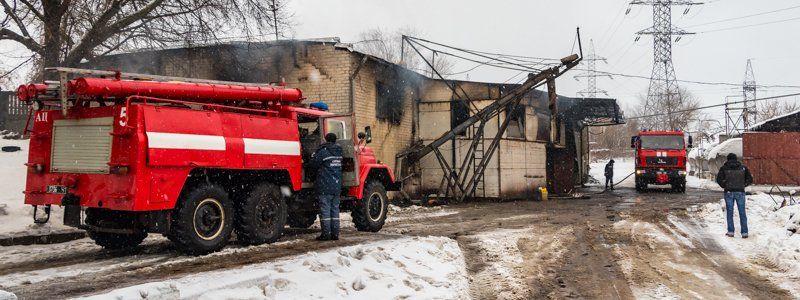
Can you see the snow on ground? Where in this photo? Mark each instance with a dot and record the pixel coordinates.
(771, 233)
(419, 267)
(773, 241)
(16, 217)
(702, 183)
(622, 167)
(7, 296)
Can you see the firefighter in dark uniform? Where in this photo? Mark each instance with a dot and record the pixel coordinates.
(609, 172)
(327, 161)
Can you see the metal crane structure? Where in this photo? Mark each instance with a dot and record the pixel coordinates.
(463, 178)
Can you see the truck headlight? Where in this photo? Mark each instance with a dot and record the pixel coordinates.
(682, 173)
(640, 172)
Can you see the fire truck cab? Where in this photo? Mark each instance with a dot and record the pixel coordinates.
(195, 160)
(661, 159)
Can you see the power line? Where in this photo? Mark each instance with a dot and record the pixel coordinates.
(751, 25)
(711, 106)
(693, 81)
(743, 17)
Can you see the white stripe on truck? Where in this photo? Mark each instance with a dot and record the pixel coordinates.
(271, 147)
(165, 140)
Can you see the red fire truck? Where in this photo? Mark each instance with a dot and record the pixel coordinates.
(661, 159)
(132, 154)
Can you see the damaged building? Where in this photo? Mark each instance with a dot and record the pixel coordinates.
(402, 107)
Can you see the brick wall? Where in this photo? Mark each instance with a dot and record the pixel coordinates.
(321, 70)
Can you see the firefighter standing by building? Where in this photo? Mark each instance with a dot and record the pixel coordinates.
(327, 161)
(733, 176)
(609, 172)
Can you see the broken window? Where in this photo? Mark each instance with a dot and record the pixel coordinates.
(516, 124)
(543, 128)
(459, 112)
(388, 103)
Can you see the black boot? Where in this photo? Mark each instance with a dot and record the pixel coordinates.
(324, 238)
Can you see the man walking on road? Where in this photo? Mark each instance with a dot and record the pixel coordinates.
(733, 176)
(610, 175)
(327, 160)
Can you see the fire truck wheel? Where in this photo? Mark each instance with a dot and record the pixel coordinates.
(261, 216)
(301, 219)
(203, 220)
(369, 214)
(679, 187)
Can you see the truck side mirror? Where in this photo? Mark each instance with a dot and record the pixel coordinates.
(690, 142)
(633, 142)
(367, 134)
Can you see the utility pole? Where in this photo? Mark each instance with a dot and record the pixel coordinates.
(591, 74)
(663, 92)
(749, 94)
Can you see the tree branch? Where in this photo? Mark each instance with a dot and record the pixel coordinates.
(100, 32)
(12, 14)
(33, 9)
(6, 34)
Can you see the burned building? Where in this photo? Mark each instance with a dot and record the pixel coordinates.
(401, 107)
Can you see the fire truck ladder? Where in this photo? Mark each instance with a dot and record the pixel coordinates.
(461, 181)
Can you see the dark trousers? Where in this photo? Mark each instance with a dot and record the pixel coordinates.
(329, 215)
(609, 183)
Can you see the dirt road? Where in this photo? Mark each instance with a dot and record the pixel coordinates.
(619, 245)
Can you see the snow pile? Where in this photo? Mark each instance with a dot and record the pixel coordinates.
(702, 183)
(7, 296)
(773, 234)
(15, 216)
(622, 167)
(729, 146)
(420, 267)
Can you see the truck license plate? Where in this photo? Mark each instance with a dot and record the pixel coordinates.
(56, 189)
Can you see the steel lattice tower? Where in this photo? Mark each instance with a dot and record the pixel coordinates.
(663, 91)
(591, 73)
(749, 94)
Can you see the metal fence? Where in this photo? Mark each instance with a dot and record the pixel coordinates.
(13, 113)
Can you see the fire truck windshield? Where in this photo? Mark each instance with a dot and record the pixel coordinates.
(659, 142)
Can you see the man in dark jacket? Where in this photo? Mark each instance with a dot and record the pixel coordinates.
(327, 160)
(610, 174)
(733, 176)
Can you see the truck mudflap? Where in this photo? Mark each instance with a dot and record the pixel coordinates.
(72, 210)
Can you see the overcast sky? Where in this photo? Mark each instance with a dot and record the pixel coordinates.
(717, 53)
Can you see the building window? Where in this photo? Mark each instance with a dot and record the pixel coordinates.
(516, 126)
(459, 112)
(388, 103)
(543, 128)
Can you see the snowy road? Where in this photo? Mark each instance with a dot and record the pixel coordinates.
(620, 245)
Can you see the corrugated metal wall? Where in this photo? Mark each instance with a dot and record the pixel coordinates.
(773, 158)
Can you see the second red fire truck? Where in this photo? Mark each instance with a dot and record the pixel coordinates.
(661, 159)
(195, 160)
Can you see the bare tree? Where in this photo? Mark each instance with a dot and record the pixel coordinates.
(669, 112)
(388, 45)
(66, 32)
(772, 109)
